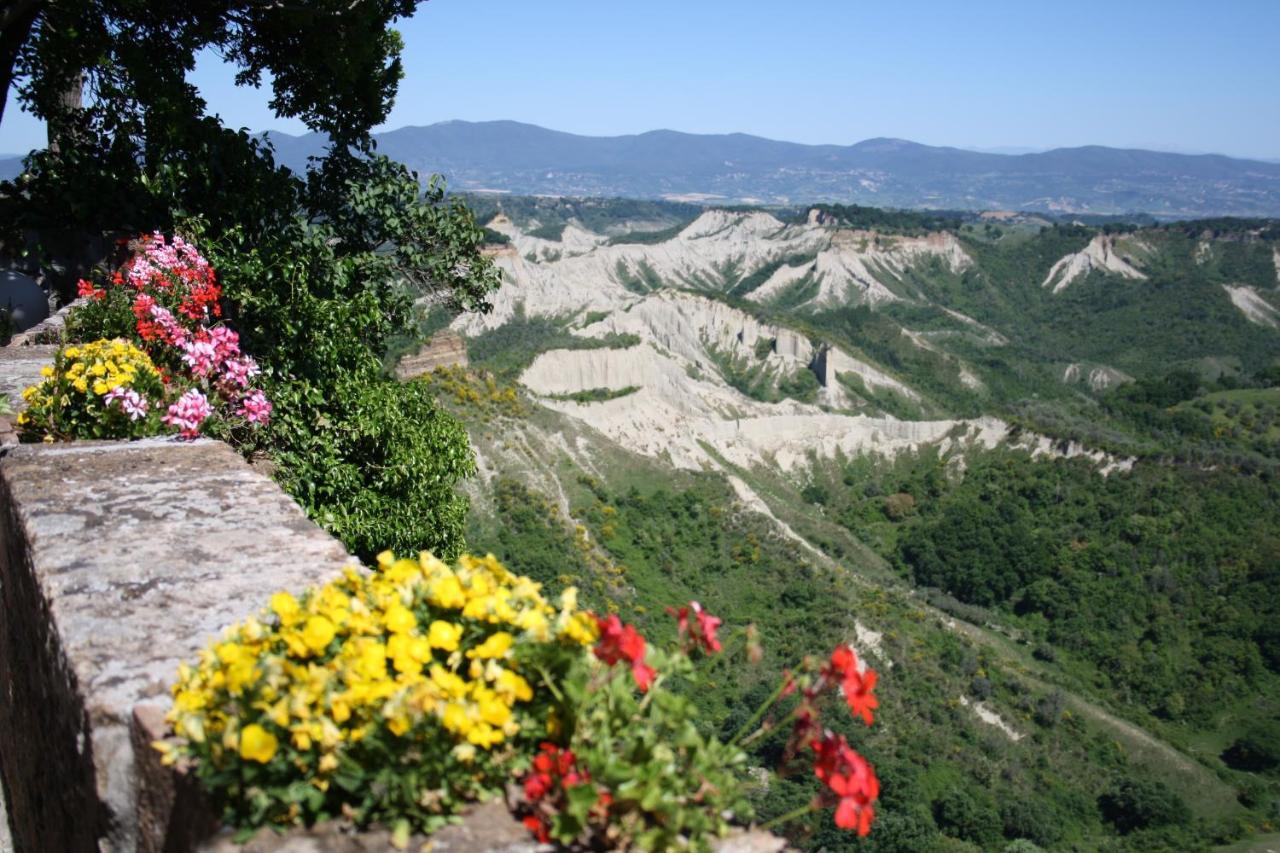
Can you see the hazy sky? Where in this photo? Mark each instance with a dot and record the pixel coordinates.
(1188, 76)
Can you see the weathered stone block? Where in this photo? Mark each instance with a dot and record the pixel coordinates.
(20, 367)
(118, 560)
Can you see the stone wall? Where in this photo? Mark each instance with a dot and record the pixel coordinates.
(119, 561)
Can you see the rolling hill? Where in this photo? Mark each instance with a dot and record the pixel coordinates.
(521, 158)
(511, 157)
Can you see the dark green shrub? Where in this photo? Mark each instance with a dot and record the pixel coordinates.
(1134, 804)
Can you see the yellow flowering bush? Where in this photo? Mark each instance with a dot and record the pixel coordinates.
(395, 696)
(103, 389)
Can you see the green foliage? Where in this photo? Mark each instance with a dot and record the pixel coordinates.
(1133, 804)
(511, 347)
(1158, 578)
(892, 221)
(1258, 749)
(797, 291)
(671, 785)
(597, 395)
(752, 282)
(648, 238)
(616, 216)
(534, 537)
(643, 279)
(390, 472)
(968, 815)
(370, 459)
(479, 395)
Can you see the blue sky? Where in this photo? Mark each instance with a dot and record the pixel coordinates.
(1188, 76)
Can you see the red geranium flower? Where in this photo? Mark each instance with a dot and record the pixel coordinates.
(857, 686)
(857, 693)
(619, 642)
(539, 829)
(848, 775)
(702, 629)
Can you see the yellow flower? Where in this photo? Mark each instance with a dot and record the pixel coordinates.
(455, 718)
(399, 619)
(450, 683)
(447, 592)
(444, 635)
(257, 744)
(493, 710)
(401, 571)
(581, 628)
(318, 633)
(495, 647)
(286, 607)
(513, 686)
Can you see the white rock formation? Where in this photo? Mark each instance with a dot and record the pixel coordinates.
(1253, 306)
(1100, 254)
(582, 272)
(991, 718)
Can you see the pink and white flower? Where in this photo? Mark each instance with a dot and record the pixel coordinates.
(200, 356)
(131, 402)
(238, 372)
(255, 407)
(188, 413)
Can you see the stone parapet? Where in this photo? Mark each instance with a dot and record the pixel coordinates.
(118, 561)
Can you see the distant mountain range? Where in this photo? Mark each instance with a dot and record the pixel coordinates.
(507, 156)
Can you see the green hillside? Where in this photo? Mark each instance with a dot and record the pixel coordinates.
(1116, 621)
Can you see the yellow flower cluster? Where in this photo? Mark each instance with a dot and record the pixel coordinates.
(410, 649)
(95, 369)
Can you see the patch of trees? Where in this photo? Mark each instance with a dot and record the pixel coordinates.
(883, 219)
(1165, 580)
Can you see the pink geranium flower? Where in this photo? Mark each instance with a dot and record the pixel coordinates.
(188, 413)
(256, 408)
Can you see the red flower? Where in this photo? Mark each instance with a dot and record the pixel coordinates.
(644, 675)
(857, 693)
(86, 289)
(853, 781)
(620, 642)
(536, 786)
(843, 661)
(702, 630)
(539, 829)
(857, 686)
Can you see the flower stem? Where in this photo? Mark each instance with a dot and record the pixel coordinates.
(551, 685)
(760, 712)
(788, 817)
